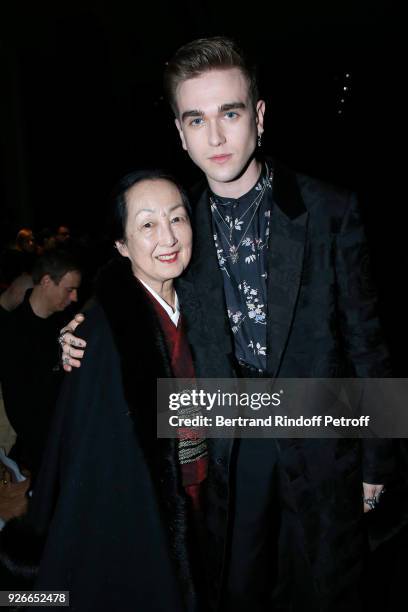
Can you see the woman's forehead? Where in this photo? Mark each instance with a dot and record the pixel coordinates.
(153, 195)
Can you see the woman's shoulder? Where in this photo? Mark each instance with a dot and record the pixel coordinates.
(95, 328)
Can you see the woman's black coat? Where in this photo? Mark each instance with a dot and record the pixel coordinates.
(108, 504)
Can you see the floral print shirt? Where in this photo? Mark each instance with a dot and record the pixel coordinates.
(241, 231)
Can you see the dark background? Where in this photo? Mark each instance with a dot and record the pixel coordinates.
(81, 104)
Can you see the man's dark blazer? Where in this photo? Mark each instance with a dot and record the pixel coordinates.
(322, 322)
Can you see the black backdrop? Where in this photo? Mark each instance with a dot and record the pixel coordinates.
(81, 104)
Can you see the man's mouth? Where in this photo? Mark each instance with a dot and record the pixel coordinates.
(221, 159)
(168, 257)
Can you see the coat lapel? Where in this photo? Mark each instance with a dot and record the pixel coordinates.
(207, 279)
(288, 230)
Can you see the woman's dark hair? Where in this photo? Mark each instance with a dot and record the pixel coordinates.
(119, 210)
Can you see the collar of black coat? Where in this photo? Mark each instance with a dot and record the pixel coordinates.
(131, 317)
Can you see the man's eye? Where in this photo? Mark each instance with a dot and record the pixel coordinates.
(147, 225)
(197, 121)
(231, 114)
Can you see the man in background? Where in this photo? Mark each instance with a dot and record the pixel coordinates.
(30, 372)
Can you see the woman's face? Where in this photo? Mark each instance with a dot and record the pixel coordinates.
(158, 238)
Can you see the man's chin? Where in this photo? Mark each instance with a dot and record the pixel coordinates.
(223, 175)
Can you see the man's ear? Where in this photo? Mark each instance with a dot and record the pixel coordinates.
(122, 248)
(46, 280)
(259, 116)
(181, 134)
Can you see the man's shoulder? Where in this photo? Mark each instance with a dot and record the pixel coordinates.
(315, 190)
(320, 198)
(315, 196)
(20, 316)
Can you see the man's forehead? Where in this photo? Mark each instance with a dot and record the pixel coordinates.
(71, 278)
(212, 90)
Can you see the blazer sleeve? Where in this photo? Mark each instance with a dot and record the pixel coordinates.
(361, 332)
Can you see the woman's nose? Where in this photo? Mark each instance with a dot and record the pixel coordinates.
(167, 236)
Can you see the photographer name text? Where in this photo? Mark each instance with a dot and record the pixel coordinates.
(269, 421)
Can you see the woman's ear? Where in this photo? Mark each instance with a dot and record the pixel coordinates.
(122, 248)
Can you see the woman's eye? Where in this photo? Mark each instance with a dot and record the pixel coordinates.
(176, 219)
(147, 225)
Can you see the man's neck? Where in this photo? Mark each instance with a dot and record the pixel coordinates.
(37, 304)
(239, 186)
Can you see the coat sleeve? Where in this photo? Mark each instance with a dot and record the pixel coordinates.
(22, 540)
(362, 337)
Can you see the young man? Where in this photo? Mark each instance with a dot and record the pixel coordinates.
(278, 287)
(30, 375)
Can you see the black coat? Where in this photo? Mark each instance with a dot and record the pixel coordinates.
(322, 322)
(109, 505)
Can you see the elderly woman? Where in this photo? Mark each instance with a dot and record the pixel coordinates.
(112, 503)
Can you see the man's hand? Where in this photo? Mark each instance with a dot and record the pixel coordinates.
(371, 495)
(72, 347)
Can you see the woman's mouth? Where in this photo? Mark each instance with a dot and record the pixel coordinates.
(168, 257)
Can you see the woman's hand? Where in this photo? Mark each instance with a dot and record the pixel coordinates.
(72, 347)
(371, 495)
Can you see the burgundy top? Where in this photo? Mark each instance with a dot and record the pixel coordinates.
(194, 464)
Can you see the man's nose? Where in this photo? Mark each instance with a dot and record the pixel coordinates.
(215, 134)
(74, 295)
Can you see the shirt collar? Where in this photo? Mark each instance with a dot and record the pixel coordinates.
(173, 314)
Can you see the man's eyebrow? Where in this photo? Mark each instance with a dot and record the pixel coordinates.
(224, 108)
(191, 113)
(231, 106)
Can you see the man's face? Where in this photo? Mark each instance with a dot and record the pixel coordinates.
(217, 123)
(62, 234)
(29, 243)
(60, 295)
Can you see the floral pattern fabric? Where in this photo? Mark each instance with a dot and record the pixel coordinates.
(241, 233)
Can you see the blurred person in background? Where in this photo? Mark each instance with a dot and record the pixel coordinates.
(30, 372)
(62, 235)
(25, 241)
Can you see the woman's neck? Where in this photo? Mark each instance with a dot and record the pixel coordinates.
(165, 290)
